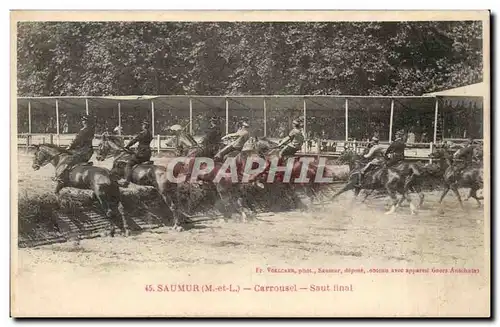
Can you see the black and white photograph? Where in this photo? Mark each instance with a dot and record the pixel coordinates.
(226, 166)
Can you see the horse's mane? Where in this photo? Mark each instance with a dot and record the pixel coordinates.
(55, 149)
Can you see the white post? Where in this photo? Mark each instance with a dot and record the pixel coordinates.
(265, 118)
(432, 149)
(119, 119)
(57, 120)
(436, 120)
(305, 118)
(158, 143)
(227, 116)
(190, 116)
(346, 119)
(391, 120)
(87, 106)
(153, 118)
(29, 117)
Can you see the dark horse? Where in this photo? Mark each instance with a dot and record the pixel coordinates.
(459, 175)
(268, 151)
(146, 174)
(231, 194)
(87, 177)
(394, 179)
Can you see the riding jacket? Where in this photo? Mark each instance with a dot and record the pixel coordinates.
(83, 139)
(397, 148)
(296, 138)
(466, 154)
(376, 151)
(144, 139)
(243, 137)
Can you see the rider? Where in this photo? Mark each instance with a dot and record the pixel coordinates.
(81, 148)
(369, 145)
(242, 137)
(211, 138)
(396, 151)
(115, 133)
(143, 153)
(293, 142)
(465, 155)
(376, 153)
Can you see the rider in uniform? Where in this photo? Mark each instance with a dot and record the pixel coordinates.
(212, 138)
(376, 153)
(81, 148)
(242, 136)
(143, 153)
(293, 142)
(396, 151)
(465, 156)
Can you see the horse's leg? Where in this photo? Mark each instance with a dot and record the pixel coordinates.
(173, 208)
(118, 208)
(473, 194)
(367, 194)
(225, 201)
(417, 189)
(454, 188)
(107, 211)
(349, 186)
(394, 198)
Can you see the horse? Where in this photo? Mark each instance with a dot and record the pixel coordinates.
(145, 174)
(83, 176)
(454, 177)
(393, 179)
(231, 194)
(268, 150)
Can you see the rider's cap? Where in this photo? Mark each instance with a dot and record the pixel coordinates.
(85, 118)
(245, 124)
(117, 129)
(145, 122)
(375, 139)
(296, 122)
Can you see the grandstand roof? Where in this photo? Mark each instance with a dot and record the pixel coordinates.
(473, 90)
(217, 104)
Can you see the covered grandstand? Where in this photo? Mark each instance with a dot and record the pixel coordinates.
(328, 119)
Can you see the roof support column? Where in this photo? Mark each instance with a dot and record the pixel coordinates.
(265, 118)
(391, 119)
(436, 111)
(346, 119)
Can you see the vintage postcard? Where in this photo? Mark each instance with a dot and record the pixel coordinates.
(250, 164)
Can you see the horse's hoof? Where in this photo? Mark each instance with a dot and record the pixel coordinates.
(178, 228)
(391, 211)
(413, 209)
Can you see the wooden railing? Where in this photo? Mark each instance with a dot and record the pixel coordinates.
(417, 151)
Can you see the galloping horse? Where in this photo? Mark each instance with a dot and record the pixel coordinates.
(230, 193)
(454, 178)
(82, 176)
(267, 150)
(146, 174)
(394, 179)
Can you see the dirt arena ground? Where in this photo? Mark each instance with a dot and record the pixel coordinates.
(341, 234)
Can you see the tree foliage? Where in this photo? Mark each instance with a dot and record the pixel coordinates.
(217, 58)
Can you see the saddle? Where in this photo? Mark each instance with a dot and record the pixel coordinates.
(145, 163)
(89, 163)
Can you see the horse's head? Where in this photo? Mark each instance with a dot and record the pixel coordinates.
(42, 156)
(348, 157)
(439, 153)
(108, 146)
(103, 148)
